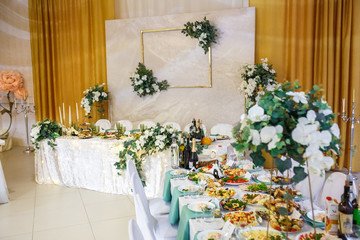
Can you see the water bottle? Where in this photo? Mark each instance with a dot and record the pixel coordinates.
(174, 149)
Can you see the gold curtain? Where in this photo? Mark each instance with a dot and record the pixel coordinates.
(315, 42)
(68, 52)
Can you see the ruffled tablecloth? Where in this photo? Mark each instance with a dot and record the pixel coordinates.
(89, 164)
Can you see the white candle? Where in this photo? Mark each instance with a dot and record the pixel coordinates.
(69, 116)
(77, 113)
(64, 112)
(343, 104)
(60, 115)
(353, 94)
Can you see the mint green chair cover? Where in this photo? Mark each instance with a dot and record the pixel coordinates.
(186, 215)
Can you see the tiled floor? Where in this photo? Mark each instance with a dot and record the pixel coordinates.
(50, 212)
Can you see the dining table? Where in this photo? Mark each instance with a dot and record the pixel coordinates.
(192, 223)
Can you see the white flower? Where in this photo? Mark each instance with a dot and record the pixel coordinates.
(162, 129)
(302, 133)
(272, 71)
(147, 90)
(326, 111)
(198, 27)
(140, 90)
(273, 142)
(314, 170)
(137, 76)
(298, 97)
(335, 130)
(194, 28)
(96, 96)
(155, 87)
(328, 162)
(255, 137)
(270, 87)
(104, 94)
(203, 35)
(35, 131)
(144, 77)
(267, 134)
(256, 114)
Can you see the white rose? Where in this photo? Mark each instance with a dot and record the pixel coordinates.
(335, 130)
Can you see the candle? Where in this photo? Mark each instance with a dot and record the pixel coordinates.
(353, 94)
(69, 116)
(77, 113)
(64, 112)
(343, 105)
(60, 115)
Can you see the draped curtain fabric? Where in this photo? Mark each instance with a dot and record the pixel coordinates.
(315, 42)
(68, 52)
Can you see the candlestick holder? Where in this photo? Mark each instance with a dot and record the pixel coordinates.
(353, 119)
(26, 109)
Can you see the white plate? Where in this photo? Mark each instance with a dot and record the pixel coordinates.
(178, 172)
(192, 188)
(316, 212)
(194, 206)
(264, 178)
(203, 235)
(239, 231)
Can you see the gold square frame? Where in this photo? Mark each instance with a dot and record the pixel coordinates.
(175, 29)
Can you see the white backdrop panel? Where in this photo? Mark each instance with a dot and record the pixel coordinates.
(169, 57)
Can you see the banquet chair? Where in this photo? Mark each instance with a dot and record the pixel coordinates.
(147, 123)
(126, 123)
(134, 231)
(104, 124)
(159, 228)
(333, 187)
(222, 129)
(174, 125)
(317, 182)
(187, 128)
(3, 188)
(157, 206)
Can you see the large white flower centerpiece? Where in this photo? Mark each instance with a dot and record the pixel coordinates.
(46, 130)
(144, 83)
(256, 79)
(148, 142)
(289, 124)
(92, 95)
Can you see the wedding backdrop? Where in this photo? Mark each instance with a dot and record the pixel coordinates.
(178, 59)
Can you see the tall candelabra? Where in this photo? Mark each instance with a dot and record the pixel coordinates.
(353, 119)
(26, 109)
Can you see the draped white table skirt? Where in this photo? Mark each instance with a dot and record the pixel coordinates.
(3, 188)
(89, 164)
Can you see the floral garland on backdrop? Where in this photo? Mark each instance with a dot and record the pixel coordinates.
(46, 129)
(12, 83)
(256, 78)
(203, 31)
(290, 125)
(144, 83)
(151, 141)
(93, 95)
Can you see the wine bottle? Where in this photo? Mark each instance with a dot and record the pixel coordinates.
(187, 153)
(198, 130)
(192, 129)
(174, 149)
(346, 212)
(201, 129)
(181, 151)
(194, 160)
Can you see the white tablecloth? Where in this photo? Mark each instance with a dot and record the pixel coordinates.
(89, 163)
(3, 188)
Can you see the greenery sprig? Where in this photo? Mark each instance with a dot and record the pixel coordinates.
(203, 31)
(46, 129)
(94, 94)
(145, 83)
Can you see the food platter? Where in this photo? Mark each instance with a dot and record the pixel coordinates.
(211, 234)
(233, 204)
(201, 206)
(253, 187)
(189, 189)
(179, 173)
(258, 233)
(220, 192)
(255, 198)
(242, 219)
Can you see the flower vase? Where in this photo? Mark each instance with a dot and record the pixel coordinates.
(99, 111)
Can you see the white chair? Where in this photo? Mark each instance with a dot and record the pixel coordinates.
(104, 124)
(174, 125)
(126, 123)
(134, 231)
(222, 129)
(317, 182)
(159, 228)
(187, 128)
(147, 123)
(157, 206)
(3, 188)
(333, 187)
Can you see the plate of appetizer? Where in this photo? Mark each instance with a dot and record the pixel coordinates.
(258, 233)
(212, 234)
(275, 204)
(242, 219)
(201, 206)
(255, 198)
(286, 223)
(220, 192)
(235, 172)
(280, 192)
(189, 189)
(235, 180)
(311, 236)
(253, 187)
(196, 177)
(233, 204)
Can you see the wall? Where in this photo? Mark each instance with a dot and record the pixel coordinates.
(174, 57)
(15, 53)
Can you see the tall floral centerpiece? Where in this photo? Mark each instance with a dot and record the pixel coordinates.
(256, 79)
(12, 84)
(290, 124)
(95, 94)
(46, 130)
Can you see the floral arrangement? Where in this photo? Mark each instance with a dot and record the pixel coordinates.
(257, 78)
(203, 31)
(92, 95)
(150, 141)
(145, 83)
(289, 124)
(46, 129)
(12, 83)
